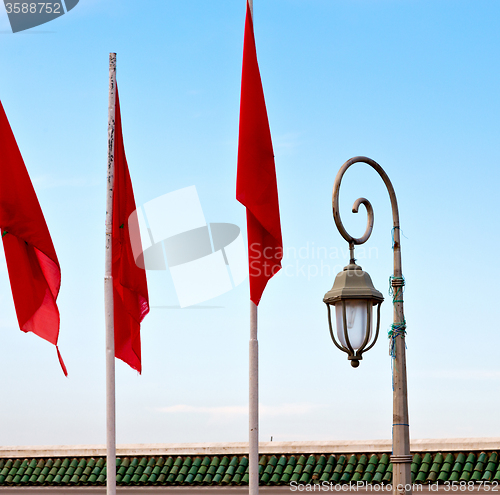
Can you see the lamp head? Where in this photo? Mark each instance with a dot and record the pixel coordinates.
(353, 296)
(352, 283)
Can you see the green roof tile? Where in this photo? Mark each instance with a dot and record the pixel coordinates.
(69, 472)
(221, 469)
(318, 469)
(5, 470)
(201, 471)
(415, 466)
(446, 467)
(165, 469)
(96, 471)
(328, 470)
(212, 468)
(22, 468)
(88, 468)
(370, 469)
(388, 474)
(479, 467)
(465, 476)
(435, 468)
(273, 469)
(297, 471)
(269, 470)
(139, 470)
(468, 467)
(184, 470)
(174, 470)
(362, 462)
(308, 469)
(231, 469)
(356, 477)
(476, 476)
(102, 477)
(337, 472)
(379, 472)
(349, 469)
(459, 461)
(241, 470)
(360, 468)
(278, 470)
(424, 469)
(491, 467)
(497, 474)
(456, 470)
(287, 473)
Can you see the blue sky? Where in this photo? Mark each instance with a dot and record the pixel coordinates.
(411, 84)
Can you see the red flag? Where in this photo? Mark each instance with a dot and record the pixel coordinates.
(34, 272)
(256, 186)
(130, 289)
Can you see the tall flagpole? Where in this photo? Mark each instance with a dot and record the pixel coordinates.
(253, 444)
(253, 413)
(108, 292)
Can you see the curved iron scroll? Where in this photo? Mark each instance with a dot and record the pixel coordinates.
(369, 210)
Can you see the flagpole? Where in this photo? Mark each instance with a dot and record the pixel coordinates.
(108, 293)
(253, 413)
(253, 444)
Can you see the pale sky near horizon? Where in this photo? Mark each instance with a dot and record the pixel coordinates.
(412, 84)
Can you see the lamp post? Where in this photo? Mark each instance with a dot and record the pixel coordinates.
(354, 297)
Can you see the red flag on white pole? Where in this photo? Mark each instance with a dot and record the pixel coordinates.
(256, 188)
(34, 271)
(125, 286)
(130, 289)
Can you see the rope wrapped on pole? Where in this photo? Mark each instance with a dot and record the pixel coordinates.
(398, 329)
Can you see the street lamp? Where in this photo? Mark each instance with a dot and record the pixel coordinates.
(354, 296)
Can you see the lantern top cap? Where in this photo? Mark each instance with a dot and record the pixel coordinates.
(352, 283)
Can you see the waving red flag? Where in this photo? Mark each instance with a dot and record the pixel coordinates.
(256, 186)
(130, 289)
(34, 272)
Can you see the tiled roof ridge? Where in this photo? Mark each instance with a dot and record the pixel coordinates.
(241, 448)
(442, 467)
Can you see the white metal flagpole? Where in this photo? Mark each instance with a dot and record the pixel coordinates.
(253, 444)
(253, 412)
(108, 292)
